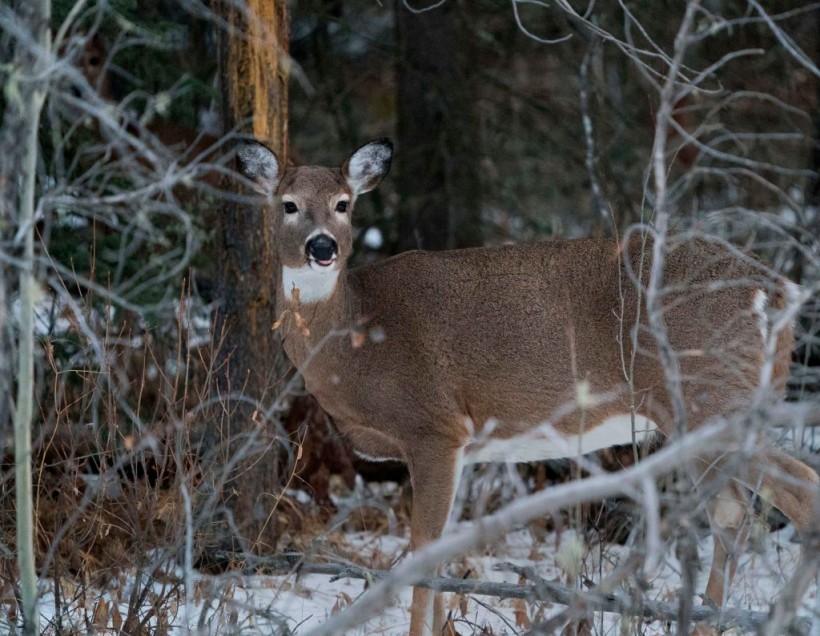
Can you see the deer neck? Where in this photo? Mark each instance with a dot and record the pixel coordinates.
(324, 305)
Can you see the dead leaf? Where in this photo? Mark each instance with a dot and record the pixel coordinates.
(580, 627)
(116, 618)
(101, 614)
(301, 324)
(166, 507)
(341, 602)
(522, 618)
(357, 338)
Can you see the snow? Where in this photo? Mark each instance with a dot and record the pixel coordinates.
(373, 238)
(258, 604)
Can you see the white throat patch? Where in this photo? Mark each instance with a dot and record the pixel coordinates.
(314, 284)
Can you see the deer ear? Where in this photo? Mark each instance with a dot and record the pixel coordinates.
(366, 167)
(259, 164)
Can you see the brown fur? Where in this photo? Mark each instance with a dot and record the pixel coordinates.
(508, 334)
(460, 329)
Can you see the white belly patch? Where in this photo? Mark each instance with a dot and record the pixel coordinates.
(545, 443)
(374, 458)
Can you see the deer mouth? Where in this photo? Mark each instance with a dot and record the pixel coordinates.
(323, 263)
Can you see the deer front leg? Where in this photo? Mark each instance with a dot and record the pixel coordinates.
(435, 471)
(727, 518)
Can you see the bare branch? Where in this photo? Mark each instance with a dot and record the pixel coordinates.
(654, 308)
(788, 44)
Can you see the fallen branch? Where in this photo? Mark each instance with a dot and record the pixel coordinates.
(538, 589)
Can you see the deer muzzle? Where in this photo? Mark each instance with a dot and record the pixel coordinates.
(322, 249)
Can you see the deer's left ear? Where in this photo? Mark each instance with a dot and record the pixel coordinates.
(366, 167)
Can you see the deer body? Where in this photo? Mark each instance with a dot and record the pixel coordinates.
(514, 353)
(458, 361)
(494, 341)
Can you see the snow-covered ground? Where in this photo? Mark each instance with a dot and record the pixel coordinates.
(308, 600)
(294, 604)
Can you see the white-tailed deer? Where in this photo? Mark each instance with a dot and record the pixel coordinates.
(443, 358)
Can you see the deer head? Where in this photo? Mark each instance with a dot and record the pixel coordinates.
(312, 210)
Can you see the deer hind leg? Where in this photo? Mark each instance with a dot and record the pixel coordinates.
(788, 484)
(435, 472)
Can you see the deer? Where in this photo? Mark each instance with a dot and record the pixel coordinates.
(441, 359)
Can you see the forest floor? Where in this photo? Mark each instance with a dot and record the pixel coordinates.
(257, 604)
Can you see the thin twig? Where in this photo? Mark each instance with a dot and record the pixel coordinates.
(589, 133)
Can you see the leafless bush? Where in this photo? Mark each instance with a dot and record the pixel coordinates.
(122, 201)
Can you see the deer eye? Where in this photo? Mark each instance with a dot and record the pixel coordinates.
(341, 206)
(290, 207)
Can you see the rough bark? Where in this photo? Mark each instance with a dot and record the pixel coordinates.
(438, 134)
(248, 360)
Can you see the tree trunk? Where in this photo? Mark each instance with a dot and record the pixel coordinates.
(438, 135)
(248, 361)
(25, 91)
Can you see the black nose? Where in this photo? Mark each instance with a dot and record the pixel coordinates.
(321, 248)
